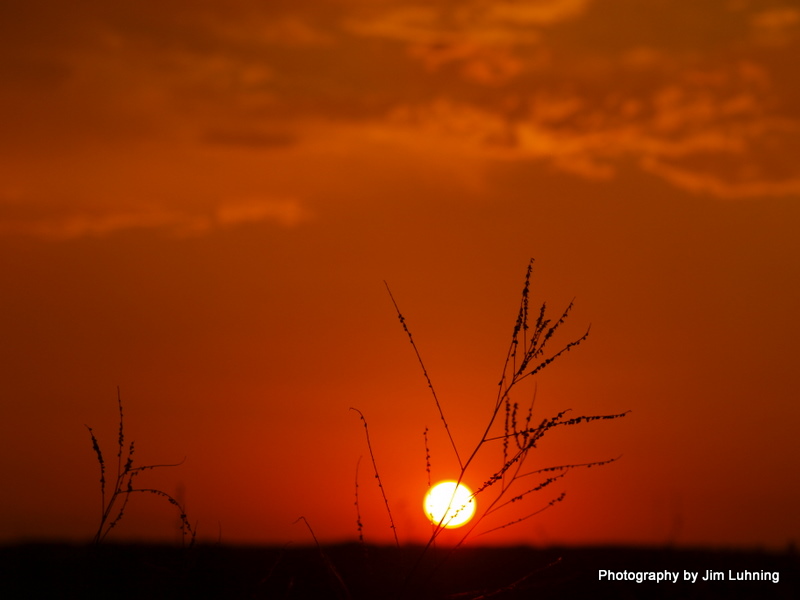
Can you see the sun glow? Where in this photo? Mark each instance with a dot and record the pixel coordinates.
(449, 504)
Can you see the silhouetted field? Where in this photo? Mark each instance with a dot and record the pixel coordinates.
(217, 571)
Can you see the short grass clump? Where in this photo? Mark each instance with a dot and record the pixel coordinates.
(114, 500)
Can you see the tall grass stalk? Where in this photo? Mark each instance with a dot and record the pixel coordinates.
(378, 479)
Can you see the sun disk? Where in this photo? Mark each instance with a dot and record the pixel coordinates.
(449, 504)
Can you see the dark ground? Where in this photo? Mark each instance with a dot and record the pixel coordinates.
(350, 571)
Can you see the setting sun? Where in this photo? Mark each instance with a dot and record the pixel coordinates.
(450, 504)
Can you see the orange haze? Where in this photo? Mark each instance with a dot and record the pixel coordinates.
(199, 203)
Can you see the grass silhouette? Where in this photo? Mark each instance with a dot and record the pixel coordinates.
(508, 426)
(114, 501)
(510, 432)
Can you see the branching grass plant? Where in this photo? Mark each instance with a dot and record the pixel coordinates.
(116, 492)
(511, 431)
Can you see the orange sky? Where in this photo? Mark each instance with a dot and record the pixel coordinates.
(199, 202)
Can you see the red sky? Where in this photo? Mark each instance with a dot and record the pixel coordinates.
(200, 201)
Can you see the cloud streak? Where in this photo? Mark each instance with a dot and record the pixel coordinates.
(476, 21)
(701, 117)
(286, 213)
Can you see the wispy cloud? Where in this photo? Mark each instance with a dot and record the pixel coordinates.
(542, 12)
(286, 213)
(701, 114)
(479, 37)
(477, 21)
(712, 184)
(776, 26)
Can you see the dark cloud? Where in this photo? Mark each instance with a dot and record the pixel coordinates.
(251, 138)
